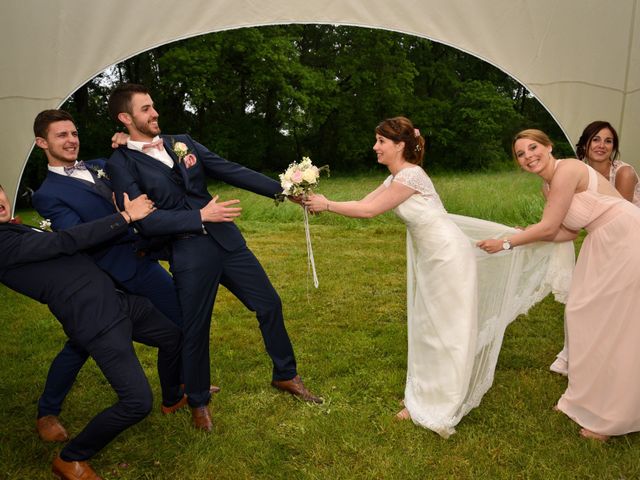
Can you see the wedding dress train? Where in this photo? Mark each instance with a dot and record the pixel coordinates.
(460, 301)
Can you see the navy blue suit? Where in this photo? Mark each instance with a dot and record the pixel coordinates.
(67, 202)
(201, 260)
(96, 317)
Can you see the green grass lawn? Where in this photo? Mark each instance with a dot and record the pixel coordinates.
(350, 341)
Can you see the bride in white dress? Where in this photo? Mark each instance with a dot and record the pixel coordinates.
(455, 329)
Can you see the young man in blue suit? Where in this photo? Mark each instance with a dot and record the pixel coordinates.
(173, 172)
(96, 317)
(75, 192)
(72, 193)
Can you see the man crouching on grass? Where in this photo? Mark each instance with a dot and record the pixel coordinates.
(50, 268)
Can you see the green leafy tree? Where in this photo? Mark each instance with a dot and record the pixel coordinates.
(267, 96)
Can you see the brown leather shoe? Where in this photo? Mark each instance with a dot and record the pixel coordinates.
(183, 401)
(296, 388)
(202, 418)
(51, 430)
(175, 407)
(73, 470)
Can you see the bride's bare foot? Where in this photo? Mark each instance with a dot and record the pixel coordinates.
(403, 414)
(596, 436)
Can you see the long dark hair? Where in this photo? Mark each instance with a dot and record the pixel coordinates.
(590, 131)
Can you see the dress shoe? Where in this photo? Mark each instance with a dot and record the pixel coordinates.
(202, 418)
(175, 407)
(296, 388)
(51, 430)
(73, 470)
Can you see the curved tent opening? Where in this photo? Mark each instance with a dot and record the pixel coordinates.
(528, 39)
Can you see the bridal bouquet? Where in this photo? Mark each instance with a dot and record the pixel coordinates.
(299, 179)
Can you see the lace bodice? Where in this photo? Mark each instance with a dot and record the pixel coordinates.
(617, 165)
(417, 179)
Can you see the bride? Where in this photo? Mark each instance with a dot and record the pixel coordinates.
(459, 299)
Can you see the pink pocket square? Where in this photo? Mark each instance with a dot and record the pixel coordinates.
(190, 160)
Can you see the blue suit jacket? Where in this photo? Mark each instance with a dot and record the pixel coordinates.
(68, 202)
(48, 268)
(181, 192)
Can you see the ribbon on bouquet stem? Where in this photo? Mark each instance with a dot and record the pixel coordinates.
(311, 264)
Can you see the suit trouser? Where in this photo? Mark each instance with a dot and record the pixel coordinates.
(150, 281)
(199, 265)
(114, 354)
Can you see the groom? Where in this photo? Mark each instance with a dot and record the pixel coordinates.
(173, 171)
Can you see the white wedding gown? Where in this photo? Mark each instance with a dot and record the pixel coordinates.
(460, 301)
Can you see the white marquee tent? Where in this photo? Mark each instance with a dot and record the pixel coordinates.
(580, 58)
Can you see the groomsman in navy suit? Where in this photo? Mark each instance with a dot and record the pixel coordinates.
(75, 192)
(97, 318)
(173, 171)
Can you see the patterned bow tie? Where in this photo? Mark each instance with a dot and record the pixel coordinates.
(157, 144)
(78, 166)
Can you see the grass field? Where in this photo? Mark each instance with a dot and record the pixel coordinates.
(350, 342)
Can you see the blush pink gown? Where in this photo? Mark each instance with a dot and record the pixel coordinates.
(603, 315)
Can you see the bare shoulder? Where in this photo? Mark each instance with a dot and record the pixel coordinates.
(571, 167)
(626, 172)
(570, 174)
(571, 164)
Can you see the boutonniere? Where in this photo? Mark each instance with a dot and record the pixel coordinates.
(45, 225)
(183, 154)
(100, 173)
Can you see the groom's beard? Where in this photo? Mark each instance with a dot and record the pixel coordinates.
(147, 128)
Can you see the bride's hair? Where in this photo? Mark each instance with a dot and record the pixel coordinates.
(400, 129)
(530, 134)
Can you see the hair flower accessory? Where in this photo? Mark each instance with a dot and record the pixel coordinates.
(416, 134)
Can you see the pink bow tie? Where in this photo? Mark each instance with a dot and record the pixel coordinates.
(157, 144)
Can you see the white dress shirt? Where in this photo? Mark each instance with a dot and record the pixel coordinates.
(80, 174)
(160, 155)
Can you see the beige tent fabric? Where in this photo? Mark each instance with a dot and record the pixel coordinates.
(581, 58)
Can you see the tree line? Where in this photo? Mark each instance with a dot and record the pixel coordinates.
(267, 96)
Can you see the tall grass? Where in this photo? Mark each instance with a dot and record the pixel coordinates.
(350, 342)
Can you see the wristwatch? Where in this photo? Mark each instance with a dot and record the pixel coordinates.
(506, 244)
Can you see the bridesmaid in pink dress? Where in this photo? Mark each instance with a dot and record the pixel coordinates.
(598, 147)
(603, 308)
